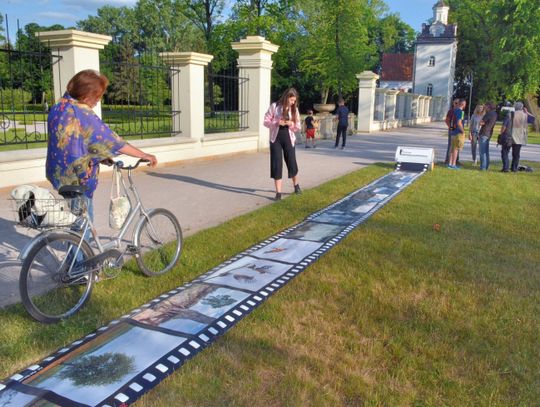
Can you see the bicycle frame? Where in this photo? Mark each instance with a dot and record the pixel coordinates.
(88, 226)
(116, 241)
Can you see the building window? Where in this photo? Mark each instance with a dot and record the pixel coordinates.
(429, 90)
(431, 61)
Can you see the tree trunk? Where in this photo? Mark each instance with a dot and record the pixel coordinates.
(531, 102)
(324, 95)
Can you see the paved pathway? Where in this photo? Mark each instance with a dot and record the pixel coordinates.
(208, 192)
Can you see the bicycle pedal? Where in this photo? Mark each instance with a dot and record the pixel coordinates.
(132, 249)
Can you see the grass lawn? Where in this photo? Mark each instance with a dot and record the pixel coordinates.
(398, 313)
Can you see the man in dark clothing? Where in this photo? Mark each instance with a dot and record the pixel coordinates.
(448, 121)
(486, 131)
(342, 116)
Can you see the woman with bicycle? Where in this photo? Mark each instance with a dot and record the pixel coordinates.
(79, 140)
(60, 265)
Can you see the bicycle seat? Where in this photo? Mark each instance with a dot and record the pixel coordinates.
(72, 191)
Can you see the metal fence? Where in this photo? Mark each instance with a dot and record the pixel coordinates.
(26, 92)
(137, 104)
(223, 95)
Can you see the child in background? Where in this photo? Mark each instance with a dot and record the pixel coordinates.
(310, 128)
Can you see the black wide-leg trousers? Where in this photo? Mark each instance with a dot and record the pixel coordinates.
(282, 147)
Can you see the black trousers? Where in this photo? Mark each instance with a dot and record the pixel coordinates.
(282, 146)
(516, 152)
(341, 131)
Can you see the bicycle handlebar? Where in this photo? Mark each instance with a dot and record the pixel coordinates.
(120, 164)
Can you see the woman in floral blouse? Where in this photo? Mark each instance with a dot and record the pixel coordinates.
(78, 138)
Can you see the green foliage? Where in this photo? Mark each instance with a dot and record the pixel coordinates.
(329, 56)
(31, 68)
(498, 41)
(391, 35)
(14, 99)
(2, 30)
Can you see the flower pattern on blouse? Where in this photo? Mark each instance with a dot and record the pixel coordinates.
(78, 141)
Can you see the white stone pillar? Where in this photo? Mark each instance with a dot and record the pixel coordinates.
(407, 115)
(255, 63)
(380, 104)
(415, 106)
(366, 99)
(187, 91)
(78, 50)
(421, 104)
(391, 105)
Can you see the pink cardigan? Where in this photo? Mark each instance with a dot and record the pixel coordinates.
(272, 118)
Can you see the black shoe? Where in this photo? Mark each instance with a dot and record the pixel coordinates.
(342, 147)
(278, 196)
(297, 189)
(505, 170)
(307, 146)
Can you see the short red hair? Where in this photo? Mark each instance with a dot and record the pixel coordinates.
(87, 85)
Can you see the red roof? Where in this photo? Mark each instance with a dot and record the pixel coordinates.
(397, 67)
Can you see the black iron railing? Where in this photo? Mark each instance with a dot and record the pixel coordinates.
(138, 102)
(26, 92)
(225, 103)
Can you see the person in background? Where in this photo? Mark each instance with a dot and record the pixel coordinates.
(79, 140)
(486, 131)
(448, 121)
(309, 122)
(474, 129)
(519, 134)
(283, 120)
(342, 116)
(457, 134)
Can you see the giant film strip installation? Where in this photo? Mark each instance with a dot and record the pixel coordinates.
(119, 362)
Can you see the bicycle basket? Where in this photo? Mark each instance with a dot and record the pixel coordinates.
(40, 209)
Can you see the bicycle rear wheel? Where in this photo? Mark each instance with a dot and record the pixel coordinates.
(158, 239)
(49, 290)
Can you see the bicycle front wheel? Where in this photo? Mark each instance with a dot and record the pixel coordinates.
(158, 239)
(52, 290)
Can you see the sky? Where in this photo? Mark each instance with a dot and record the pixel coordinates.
(68, 12)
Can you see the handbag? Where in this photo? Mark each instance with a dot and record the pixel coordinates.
(119, 206)
(505, 139)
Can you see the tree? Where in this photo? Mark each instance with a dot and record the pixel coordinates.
(337, 43)
(98, 370)
(32, 66)
(392, 35)
(204, 14)
(250, 12)
(125, 86)
(4, 68)
(152, 25)
(2, 30)
(118, 22)
(498, 41)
